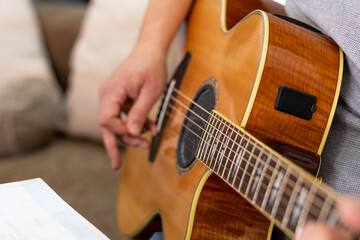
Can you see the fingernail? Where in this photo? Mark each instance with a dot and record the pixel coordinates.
(115, 165)
(156, 132)
(135, 129)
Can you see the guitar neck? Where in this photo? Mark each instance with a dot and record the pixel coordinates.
(279, 189)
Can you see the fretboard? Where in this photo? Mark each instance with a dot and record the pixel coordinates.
(276, 187)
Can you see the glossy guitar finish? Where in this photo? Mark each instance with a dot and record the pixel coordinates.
(249, 62)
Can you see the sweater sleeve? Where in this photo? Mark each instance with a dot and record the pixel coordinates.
(340, 20)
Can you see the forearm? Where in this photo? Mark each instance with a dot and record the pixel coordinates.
(161, 22)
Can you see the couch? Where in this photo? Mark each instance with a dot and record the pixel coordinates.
(76, 168)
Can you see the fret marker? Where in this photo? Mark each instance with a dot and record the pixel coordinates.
(298, 206)
(223, 148)
(256, 178)
(333, 218)
(238, 158)
(207, 144)
(215, 145)
(275, 188)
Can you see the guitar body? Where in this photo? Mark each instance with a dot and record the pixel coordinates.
(249, 63)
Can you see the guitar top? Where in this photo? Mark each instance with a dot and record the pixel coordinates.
(255, 101)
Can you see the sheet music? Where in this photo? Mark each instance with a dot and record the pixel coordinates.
(31, 210)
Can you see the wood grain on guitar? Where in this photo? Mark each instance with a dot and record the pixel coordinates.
(249, 60)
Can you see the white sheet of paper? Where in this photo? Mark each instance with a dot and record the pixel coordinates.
(31, 210)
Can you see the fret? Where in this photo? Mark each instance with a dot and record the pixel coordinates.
(314, 211)
(316, 205)
(234, 160)
(293, 198)
(209, 150)
(229, 153)
(239, 161)
(256, 182)
(284, 202)
(305, 211)
(249, 167)
(263, 178)
(210, 139)
(244, 162)
(298, 206)
(333, 218)
(274, 188)
(219, 139)
(214, 143)
(255, 175)
(328, 212)
(270, 185)
(209, 133)
(236, 163)
(276, 213)
(224, 150)
(263, 182)
(326, 208)
(204, 141)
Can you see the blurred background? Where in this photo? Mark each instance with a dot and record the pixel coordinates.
(60, 22)
(53, 56)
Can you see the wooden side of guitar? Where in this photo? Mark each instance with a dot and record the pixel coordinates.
(238, 9)
(195, 204)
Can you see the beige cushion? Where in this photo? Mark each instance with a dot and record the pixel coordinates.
(108, 34)
(28, 94)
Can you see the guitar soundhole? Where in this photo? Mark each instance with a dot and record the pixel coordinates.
(194, 123)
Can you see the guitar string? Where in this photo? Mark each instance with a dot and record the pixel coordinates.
(230, 139)
(292, 182)
(199, 106)
(209, 113)
(186, 108)
(280, 203)
(239, 165)
(262, 185)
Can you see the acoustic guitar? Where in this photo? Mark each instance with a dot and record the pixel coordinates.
(241, 130)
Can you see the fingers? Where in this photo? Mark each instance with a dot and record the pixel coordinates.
(137, 116)
(114, 129)
(109, 112)
(349, 211)
(132, 88)
(111, 144)
(112, 149)
(135, 141)
(320, 231)
(116, 125)
(151, 127)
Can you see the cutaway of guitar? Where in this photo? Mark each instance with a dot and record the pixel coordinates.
(222, 194)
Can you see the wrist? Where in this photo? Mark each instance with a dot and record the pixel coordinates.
(153, 40)
(148, 49)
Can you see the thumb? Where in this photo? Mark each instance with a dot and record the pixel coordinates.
(349, 209)
(140, 110)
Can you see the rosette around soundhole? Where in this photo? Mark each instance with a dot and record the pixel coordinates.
(204, 101)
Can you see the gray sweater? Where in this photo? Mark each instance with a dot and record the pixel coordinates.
(340, 20)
